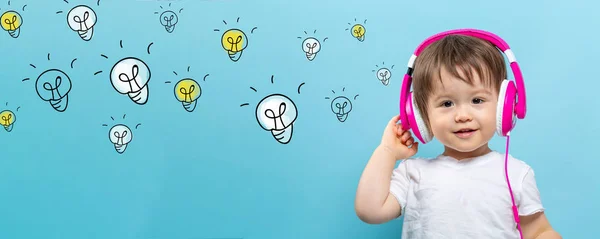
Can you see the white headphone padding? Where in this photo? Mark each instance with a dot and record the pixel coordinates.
(420, 122)
(500, 107)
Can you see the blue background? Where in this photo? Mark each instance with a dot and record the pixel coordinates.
(214, 173)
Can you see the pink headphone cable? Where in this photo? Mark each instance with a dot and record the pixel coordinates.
(514, 207)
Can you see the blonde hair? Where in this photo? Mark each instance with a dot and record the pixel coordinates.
(449, 53)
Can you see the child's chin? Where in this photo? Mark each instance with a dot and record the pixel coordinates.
(465, 147)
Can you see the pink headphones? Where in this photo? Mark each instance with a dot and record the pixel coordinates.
(508, 106)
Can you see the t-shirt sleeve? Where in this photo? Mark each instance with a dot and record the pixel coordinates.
(530, 201)
(399, 183)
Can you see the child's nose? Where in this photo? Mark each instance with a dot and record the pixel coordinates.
(462, 115)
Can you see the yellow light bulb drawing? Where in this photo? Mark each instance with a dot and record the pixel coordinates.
(7, 120)
(358, 31)
(11, 22)
(234, 41)
(187, 91)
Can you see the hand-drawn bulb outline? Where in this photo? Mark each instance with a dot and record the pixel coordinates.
(341, 107)
(311, 46)
(187, 91)
(234, 41)
(7, 120)
(169, 19)
(358, 31)
(11, 22)
(131, 76)
(120, 135)
(82, 20)
(277, 113)
(54, 86)
(384, 75)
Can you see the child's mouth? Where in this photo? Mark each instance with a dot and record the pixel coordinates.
(464, 133)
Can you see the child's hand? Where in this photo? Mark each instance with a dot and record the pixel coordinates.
(397, 141)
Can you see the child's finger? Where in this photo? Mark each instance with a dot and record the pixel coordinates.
(399, 130)
(405, 136)
(415, 147)
(409, 142)
(394, 120)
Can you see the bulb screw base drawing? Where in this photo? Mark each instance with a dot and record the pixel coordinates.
(283, 136)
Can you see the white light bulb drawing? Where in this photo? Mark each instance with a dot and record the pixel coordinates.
(82, 20)
(341, 106)
(383, 74)
(120, 135)
(277, 113)
(54, 86)
(311, 46)
(130, 76)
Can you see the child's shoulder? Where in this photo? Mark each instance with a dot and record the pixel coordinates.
(419, 161)
(513, 162)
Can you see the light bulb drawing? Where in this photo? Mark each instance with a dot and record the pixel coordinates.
(187, 91)
(383, 74)
(234, 41)
(341, 106)
(168, 19)
(82, 20)
(277, 114)
(120, 135)
(53, 86)
(311, 46)
(130, 76)
(358, 30)
(8, 119)
(11, 21)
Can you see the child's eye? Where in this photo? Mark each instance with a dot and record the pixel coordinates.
(446, 104)
(477, 101)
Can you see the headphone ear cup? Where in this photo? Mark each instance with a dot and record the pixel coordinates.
(417, 124)
(505, 110)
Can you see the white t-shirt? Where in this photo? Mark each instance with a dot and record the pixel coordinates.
(447, 198)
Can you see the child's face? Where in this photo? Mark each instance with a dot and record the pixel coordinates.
(455, 105)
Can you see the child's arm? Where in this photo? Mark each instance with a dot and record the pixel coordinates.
(537, 226)
(534, 223)
(374, 203)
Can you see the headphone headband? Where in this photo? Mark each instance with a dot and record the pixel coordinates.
(520, 107)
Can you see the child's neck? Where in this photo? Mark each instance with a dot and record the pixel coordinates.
(463, 155)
